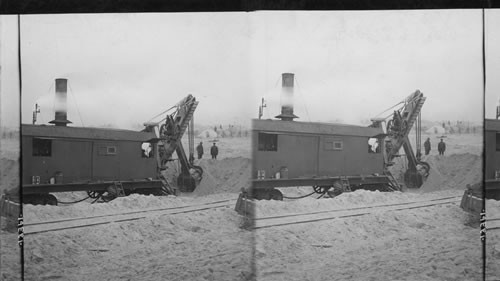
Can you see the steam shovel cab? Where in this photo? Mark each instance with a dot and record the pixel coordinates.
(106, 163)
(325, 156)
(492, 159)
(472, 200)
(60, 158)
(332, 158)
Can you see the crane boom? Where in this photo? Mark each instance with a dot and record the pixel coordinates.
(170, 140)
(174, 128)
(398, 129)
(402, 122)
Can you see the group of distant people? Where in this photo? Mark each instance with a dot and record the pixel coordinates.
(214, 151)
(441, 146)
(230, 132)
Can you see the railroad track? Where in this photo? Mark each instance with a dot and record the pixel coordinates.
(260, 223)
(79, 222)
(492, 223)
(291, 219)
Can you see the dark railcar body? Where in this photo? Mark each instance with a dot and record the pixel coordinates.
(492, 158)
(309, 149)
(77, 155)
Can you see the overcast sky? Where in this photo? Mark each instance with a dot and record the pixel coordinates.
(492, 46)
(354, 65)
(125, 68)
(9, 78)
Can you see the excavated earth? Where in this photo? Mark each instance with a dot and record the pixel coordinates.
(493, 240)
(10, 252)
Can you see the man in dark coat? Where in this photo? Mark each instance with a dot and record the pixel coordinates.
(441, 147)
(427, 146)
(199, 149)
(214, 150)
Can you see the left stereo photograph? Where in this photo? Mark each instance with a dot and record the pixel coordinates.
(126, 145)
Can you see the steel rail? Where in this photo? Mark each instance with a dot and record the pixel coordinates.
(357, 214)
(494, 225)
(47, 226)
(355, 208)
(126, 213)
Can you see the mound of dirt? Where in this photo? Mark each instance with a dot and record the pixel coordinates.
(225, 175)
(454, 171)
(9, 180)
(207, 185)
(447, 172)
(435, 181)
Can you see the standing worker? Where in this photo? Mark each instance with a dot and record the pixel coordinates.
(441, 147)
(214, 150)
(199, 149)
(427, 146)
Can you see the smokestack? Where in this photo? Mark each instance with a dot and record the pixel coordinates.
(61, 118)
(287, 98)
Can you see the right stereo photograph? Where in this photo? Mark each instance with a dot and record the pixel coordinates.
(491, 222)
(371, 155)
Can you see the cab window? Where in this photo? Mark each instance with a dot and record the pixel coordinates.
(268, 142)
(42, 147)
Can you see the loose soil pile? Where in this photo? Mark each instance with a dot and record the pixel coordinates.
(454, 171)
(432, 243)
(206, 245)
(225, 175)
(9, 179)
(492, 241)
(10, 252)
(447, 172)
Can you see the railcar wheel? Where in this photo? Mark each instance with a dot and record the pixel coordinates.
(50, 200)
(40, 199)
(321, 189)
(275, 194)
(260, 194)
(92, 194)
(105, 196)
